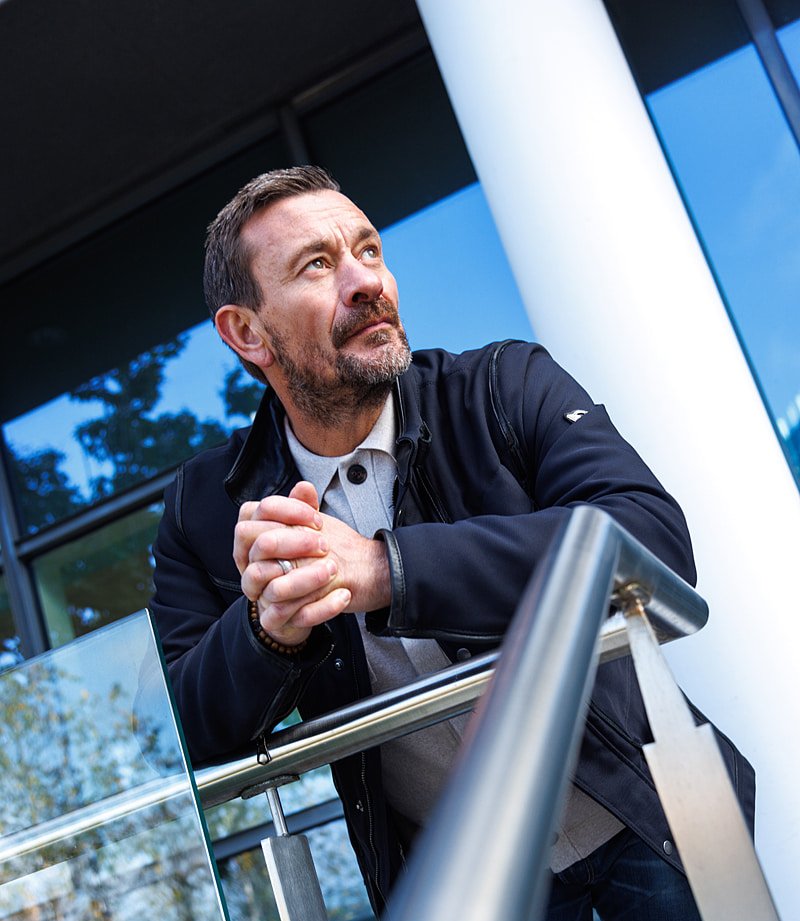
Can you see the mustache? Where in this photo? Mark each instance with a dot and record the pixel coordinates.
(361, 316)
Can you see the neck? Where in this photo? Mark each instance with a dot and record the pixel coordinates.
(343, 436)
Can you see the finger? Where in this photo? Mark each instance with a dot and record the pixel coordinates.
(247, 510)
(287, 510)
(288, 544)
(300, 583)
(244, 533)
(305, 492)
(317, 612)
(261, 575)
(277, 617)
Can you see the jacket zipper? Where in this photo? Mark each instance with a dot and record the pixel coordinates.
(262, 752)
(365, 787)
(422, 478)
(506, 429)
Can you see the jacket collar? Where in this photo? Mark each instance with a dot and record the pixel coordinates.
(264, 465)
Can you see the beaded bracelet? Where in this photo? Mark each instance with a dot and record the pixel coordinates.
(265, 639)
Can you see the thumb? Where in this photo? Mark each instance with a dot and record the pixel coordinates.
(305, 492)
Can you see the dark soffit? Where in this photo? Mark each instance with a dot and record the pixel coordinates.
(105, 105)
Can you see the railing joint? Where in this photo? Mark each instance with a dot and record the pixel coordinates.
(631, 597)
(270, 783)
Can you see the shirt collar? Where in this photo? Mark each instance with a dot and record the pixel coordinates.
(320, 470)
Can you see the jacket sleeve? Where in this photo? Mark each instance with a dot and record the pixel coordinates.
(461, 581)
(228, 688)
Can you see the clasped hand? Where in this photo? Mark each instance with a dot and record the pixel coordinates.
(336, 569)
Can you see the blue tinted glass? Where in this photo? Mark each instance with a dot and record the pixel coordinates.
(9, 641)
(789, 40)
(98, 816)
(339, 877)
(456, 288)
(739, 169)
(187, 394)
(123, 427)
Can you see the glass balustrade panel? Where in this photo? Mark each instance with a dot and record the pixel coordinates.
(98, 813)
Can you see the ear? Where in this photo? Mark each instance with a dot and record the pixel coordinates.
(242, 329)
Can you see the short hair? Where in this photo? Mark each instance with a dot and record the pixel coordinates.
(227, 278)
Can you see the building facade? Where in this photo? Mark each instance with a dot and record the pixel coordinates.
(642, 165)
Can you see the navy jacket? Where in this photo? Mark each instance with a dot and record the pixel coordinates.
(489, 466)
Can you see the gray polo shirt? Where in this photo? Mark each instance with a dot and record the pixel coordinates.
(357, 488)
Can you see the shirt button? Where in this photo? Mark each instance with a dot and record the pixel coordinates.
(356, 474)
(668, 848)
(338, 664)
(463, 654)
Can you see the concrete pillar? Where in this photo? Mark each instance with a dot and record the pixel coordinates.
(618, 289)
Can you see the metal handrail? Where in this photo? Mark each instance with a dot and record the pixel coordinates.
(537, 701)
(514, 775)
(343, 732)
(381, 717)
(516, 769)
(674, 608)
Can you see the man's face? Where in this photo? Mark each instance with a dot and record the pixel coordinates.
(329, 304)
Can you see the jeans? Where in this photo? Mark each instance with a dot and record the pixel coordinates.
(623, 880)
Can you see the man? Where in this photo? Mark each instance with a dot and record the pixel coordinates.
(380, 519)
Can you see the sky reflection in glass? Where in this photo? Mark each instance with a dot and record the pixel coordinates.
(738, 166)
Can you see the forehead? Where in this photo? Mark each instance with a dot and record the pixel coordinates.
(291, 223)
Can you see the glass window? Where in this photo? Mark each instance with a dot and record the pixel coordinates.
(782, 12)
(340, 879)
(456, 287)
(125, 426)
(98, 578)
(739, 169)
(9, 641)
(120, 292)
(407, 115)
(311, 789)
(248, 892)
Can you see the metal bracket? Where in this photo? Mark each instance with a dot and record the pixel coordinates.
(695, 790)
(258, 788)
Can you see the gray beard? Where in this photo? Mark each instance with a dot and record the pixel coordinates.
(361, 383)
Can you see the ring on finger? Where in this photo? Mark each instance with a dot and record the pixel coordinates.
(286, 565)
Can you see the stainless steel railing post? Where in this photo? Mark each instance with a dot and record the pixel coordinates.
(291, 869)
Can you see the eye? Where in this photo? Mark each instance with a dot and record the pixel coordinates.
(371, 252)
(318, 263)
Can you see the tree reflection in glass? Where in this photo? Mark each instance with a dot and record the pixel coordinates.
(97, 814)
(126, 426)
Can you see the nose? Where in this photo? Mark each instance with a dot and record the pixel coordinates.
(359, 283)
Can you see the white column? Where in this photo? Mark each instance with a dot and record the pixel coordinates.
(618, 289)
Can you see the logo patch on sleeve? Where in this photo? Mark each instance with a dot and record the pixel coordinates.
(575, 414)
